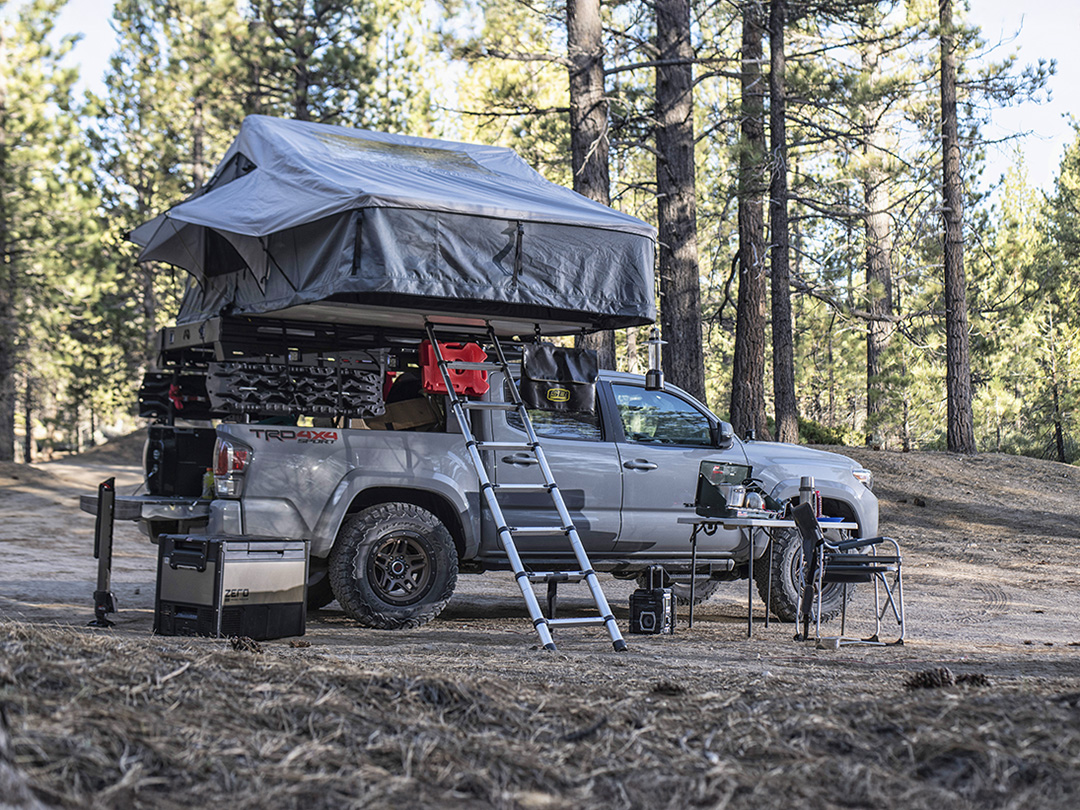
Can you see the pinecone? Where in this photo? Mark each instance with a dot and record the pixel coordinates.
(931, 679)
(245, 644)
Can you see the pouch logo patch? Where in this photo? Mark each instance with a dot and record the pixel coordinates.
(558, 395)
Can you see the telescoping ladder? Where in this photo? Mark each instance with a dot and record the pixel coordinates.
(460, 407)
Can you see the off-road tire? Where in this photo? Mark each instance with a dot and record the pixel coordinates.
(393, 566)
(704, 588)
(787, 563)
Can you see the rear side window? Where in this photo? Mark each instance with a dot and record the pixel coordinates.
(556, 425)
(658, 417)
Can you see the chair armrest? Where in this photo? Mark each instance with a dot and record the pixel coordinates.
(862, 542)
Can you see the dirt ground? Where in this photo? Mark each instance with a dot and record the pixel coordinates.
(466, 712)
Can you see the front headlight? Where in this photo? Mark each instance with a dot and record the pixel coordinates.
(865, 476)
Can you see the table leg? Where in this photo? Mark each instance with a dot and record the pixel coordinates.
(693, 571)
(768, 583)
(750, 586)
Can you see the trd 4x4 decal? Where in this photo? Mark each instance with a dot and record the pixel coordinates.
(299, 436)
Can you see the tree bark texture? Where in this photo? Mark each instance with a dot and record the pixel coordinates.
(198, 144)
(748, 361)
(960, 430)
(589, 129)
(8, 296)
(680, 290)
(878, 234)
(787, 423)
(28, 413)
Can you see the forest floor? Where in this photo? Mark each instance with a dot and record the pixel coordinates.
(466, 712)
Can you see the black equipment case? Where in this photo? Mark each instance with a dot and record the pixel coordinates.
(222, 586)
(652, 609)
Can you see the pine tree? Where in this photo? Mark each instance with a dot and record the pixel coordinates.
(310, 59)
(748, 365)
(961, 431)
(589, 128)
(787, 424)
(680, 285)
(42, 177)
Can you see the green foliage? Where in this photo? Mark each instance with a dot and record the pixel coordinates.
(50, 224)
(811, 432)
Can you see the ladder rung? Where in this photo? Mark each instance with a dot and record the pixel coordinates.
(524, 487)
(582, 621)
(472, 365)
(557, 576)
(528, 530)
(506, 446)
(477, 405)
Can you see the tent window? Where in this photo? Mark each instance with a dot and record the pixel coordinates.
(221, 257)
(358, 245)
(237, 166)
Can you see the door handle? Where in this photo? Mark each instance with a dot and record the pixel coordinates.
(639, 464)
(521, 458)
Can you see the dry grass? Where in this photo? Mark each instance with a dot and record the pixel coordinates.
(108, 721)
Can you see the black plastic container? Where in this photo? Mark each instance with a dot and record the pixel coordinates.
(652, 611)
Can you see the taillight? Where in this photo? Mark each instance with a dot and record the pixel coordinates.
(230, 462)
(231, 458)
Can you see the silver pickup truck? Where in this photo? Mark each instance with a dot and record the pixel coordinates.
(393, 516)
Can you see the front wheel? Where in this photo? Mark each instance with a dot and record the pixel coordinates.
(786, 577)
(393, 566)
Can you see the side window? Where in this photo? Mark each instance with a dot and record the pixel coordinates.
(558, 425)
(658, 417)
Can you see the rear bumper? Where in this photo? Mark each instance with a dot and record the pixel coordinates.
(151, 507)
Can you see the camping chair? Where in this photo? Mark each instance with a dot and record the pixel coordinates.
(846, 563)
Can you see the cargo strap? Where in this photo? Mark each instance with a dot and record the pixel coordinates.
(489, 490)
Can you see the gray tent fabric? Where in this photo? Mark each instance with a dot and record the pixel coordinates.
(313, 220)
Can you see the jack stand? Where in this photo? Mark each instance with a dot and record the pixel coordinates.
(104, 603)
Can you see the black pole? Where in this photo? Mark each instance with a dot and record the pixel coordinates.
(103, 546)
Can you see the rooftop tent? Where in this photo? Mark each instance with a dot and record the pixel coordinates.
(316, 222)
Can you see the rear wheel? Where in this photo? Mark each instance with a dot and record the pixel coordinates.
(393, 566)
(786, 575)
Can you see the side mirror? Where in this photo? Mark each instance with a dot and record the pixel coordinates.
(723, 435)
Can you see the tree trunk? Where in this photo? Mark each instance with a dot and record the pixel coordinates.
(748, 361)
(8, 297)
(787, 423)
(28, 412)
(1059, 431)
(589, 129)
(960, 430)
(878, 231)
(633, 365)
(1055, 393)
(680, 290)
(301, 50)
(198, 148)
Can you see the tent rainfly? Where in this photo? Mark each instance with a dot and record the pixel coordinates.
(323, 223)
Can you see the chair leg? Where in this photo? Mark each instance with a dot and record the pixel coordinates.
(895, 603)
(817, 618)
(843, 608)
(900, 599)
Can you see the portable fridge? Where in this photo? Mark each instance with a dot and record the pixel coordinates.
(223, 587)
